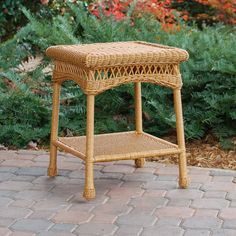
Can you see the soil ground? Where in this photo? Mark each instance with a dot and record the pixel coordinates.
(204, 153)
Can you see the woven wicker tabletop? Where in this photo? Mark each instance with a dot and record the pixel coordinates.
(116, 54)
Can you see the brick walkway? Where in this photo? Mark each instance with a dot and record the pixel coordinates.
(145, 202)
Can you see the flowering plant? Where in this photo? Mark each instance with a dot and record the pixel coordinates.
(166, 12)
(160, 9)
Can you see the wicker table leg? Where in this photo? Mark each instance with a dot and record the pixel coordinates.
(138, 118)
(89, 190)
(183, 179)
(52, 169)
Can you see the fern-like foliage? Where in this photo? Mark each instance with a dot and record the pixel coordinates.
(208, 94)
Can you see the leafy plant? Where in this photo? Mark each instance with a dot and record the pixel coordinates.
(208, 11)
(208, 93)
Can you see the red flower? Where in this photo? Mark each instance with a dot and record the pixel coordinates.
(44, 2)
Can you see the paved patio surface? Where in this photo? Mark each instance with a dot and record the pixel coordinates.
(130, 201)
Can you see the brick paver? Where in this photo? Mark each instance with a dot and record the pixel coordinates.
(230, 224)
(21, 233)
(129, 202)
(182, 212)
(63, 227)
(224, 232)
(71, 217)
(163, 230)
(163, 185)
(210, 203)
(4, 201)
(4, 231)
(147, 202)
(33, 225)
(184, 194)
(128, 230)
(231, 195)
(197, 232)
(170, 221)
(15, 185)
(56, 234)
(228, 213)
(215, 194)
(202, 222)
(219, 186)
(179, 202)
(14, 212)
(141, 219)
(96, 229)
(206, 212)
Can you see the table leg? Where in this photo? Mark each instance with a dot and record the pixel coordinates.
(52, 169)
(183, 179)
(138, 118)
(89, 190)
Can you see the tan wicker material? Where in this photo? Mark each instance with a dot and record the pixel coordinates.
(116, 54)
(125, 145)
(98, 67)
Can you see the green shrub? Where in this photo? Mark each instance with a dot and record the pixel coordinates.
(12, 18)
(209, 91)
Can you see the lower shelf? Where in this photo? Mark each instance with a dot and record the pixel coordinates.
(119, 146)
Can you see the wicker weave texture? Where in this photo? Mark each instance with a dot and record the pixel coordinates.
(108, 146)
(99, 80)
(99, 67)
(116, 54)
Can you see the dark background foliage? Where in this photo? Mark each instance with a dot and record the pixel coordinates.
(209, 91)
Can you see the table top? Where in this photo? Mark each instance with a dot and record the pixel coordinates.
(99, 55)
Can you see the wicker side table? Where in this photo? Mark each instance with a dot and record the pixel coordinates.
(99, 67)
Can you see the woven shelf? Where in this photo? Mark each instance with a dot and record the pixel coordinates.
(119, 146)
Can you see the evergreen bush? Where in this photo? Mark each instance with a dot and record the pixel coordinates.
(209, 91)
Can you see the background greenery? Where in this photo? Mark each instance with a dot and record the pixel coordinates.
(209, 91)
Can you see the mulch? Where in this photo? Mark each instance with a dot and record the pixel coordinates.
(204, 153)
